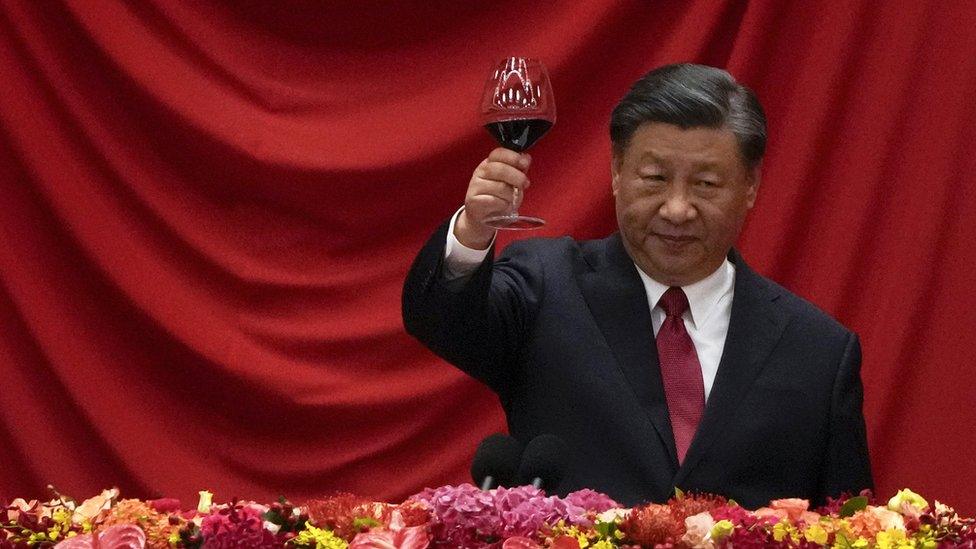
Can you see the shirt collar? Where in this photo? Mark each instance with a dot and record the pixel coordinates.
(703, 295)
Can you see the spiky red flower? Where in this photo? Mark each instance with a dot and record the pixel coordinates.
(413, 513)
(339, 513)
(693, 504)
(652, 524)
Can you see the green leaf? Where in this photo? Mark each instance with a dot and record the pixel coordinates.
(273, 517)
(853, 505)
(605, 529)
(365, 523)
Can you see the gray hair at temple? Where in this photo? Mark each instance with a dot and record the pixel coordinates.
(690, 96)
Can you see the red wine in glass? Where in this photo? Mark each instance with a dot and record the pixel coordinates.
(517, 108)
(518, 134)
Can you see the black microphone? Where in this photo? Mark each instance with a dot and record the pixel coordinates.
(496, 461)
(544, 462)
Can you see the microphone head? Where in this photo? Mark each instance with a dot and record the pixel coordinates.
(498, 456)
(546, 457)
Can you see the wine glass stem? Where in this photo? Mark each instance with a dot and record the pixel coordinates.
(516, 199)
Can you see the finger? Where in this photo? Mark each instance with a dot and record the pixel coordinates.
(486, 205)
(497, 171)
(491, 187)
(510, 157)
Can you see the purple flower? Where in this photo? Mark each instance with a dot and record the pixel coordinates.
(591, 500)
(468, 517)
(463, 516)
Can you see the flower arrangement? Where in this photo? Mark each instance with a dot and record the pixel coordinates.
(465, 517)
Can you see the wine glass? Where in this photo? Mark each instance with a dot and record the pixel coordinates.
(517, 108)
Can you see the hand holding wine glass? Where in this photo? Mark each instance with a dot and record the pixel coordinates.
(495, 190)
(517, 108)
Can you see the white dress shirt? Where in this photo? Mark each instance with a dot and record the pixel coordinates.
(706, 320)
(707, 317)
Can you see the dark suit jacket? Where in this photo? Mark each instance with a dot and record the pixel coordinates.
(561, 331)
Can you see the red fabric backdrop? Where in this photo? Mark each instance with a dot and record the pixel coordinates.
(208, 209)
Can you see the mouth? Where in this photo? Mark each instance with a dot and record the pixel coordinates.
(675, 238)
(674, 242)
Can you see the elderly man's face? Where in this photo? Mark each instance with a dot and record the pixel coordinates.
(681, 196)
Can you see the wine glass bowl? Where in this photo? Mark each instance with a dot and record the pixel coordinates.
(517, 108)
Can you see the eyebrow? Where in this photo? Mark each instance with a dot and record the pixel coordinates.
(699, 166)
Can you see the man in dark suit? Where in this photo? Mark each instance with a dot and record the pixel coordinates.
(656, 354)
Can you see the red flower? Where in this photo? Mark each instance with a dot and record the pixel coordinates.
(692, 504)
(339, 513)
(651, 524)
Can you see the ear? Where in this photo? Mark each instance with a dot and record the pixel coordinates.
(615, 166)
(753, 179)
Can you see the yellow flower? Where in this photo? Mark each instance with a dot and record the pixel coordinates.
(909, 497)
(602, 544)
(319, 539)
(784, 529)
(722, 529)
(893, 539)
(780, 531)
(206, 500)
(816, 534)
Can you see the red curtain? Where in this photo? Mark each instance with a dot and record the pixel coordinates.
(208, 209)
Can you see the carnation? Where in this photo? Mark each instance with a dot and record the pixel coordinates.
(237, 526)
(157, 526)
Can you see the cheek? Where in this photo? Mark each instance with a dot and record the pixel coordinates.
(723, 224)
(637, 210)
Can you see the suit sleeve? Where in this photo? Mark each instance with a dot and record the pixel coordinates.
(848, 468)
(478, 323)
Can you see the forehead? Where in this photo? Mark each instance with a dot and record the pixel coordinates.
(670, 144)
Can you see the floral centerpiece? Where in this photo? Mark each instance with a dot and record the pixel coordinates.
(465, 517)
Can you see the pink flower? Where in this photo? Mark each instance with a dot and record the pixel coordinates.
(91, 507)
(794, 507)
(591, 500)
(123, 536)
(565, 542)
(520, 542)
(414, 537)
(237, 526)
(794, 510)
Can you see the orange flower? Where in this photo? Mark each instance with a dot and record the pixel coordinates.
(865, 524)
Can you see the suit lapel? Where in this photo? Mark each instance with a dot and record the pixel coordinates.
(755, 325)
(616, 297)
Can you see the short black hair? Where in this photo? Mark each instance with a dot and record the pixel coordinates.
(689, 96)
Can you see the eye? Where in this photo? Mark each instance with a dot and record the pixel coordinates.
(707, 183)
(653, 177)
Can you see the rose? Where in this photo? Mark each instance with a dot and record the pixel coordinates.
(698, 529)
(793, 509)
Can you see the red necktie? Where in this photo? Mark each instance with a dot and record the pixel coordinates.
(680, 370)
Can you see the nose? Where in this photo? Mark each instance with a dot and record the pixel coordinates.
(677, 208)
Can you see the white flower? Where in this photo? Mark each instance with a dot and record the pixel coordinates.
(698, 531)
